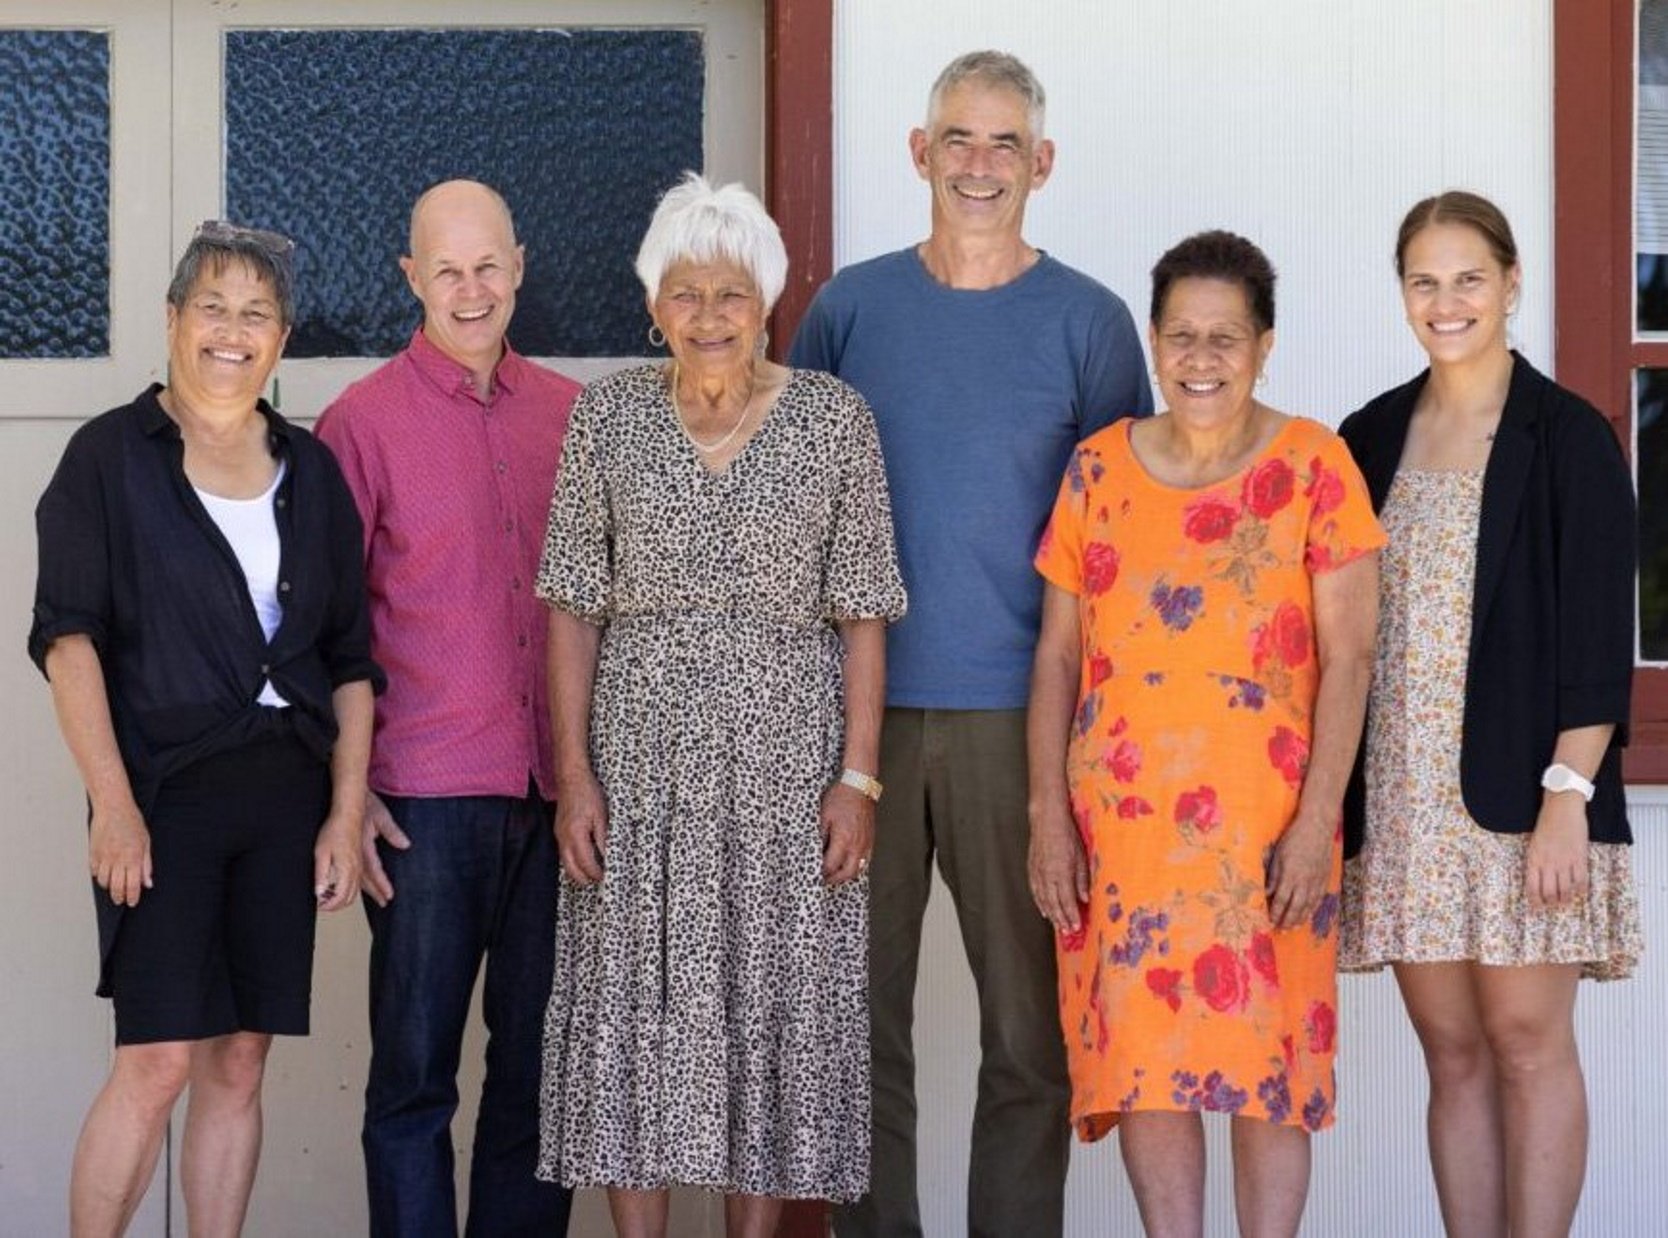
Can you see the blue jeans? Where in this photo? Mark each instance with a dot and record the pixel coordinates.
(480, 879)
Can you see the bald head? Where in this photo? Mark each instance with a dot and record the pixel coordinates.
(465, 267)
(450, 197)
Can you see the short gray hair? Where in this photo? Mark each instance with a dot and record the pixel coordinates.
(218, 244)
(697, 223)
(993, 70)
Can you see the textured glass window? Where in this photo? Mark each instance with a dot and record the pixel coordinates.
(332, 134)
(54, 193)
(1650, 475)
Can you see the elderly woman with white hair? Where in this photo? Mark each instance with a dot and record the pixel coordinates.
(720, 567)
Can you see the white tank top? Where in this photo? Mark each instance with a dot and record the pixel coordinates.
(251, 527)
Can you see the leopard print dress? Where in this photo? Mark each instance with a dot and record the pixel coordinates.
(708, 1018)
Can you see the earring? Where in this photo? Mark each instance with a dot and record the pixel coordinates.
(657, 337)
(1262, 379)
(764, 343)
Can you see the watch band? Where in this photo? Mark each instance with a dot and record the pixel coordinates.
(862, 782)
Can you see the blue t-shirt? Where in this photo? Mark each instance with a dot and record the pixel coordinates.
(980, 397)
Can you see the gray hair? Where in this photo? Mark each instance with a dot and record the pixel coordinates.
(697, 223)
(218, 244)
(996, 71)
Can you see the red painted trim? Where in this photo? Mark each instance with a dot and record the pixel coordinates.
(1594, 264)
(799, 150)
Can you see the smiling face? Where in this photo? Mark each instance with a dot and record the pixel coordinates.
(1456, 292)
(981, 160)
(1208, 350)
(712, 315)
(465, 268)
(225, 340)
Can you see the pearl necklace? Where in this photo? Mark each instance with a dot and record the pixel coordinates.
(707, 449)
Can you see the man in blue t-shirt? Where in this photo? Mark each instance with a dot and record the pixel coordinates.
(985, 361)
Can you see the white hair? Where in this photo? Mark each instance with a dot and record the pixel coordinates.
(698, 223)
(994, 71)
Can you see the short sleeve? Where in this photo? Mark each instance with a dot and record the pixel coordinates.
(72, 529)
(1059, 557)
(861, 579)
(576, 569)
(1114, 379)
(1342, 526)
(337, 430)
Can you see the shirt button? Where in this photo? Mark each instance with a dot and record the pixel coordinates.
(521, 642)
(524, 701)
(502, 466)
(516, 584)
(280, 502)
(283, 586)
(266, 668)
(509, 526)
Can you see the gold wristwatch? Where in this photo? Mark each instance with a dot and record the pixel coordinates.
(861, 782)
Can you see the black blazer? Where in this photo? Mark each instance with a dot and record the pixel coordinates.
(1552, 607)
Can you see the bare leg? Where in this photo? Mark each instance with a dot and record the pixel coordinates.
(222, 1143)
(751, 1216)
(116, 1154)
(1271, 1177)
(1164, 1154)
(1463, 1121)
(638, 1214)
(1529, 1017)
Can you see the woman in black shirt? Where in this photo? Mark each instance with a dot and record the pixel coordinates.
(200, 614)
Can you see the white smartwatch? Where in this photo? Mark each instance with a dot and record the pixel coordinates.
(1560, 777)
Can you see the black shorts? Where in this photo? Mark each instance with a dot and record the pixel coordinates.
(223, 940)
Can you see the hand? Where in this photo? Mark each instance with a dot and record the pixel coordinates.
(1555, 873)
(582, 829)
(336, 859)
(378, 824)
(847, 821)
(119, 852)
(1299, 869)
(1058, 869)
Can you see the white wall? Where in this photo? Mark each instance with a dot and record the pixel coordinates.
(1310, 128)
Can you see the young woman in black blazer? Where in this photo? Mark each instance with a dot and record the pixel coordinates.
(1493, 870)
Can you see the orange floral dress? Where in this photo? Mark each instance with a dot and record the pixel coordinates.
(1187, 753)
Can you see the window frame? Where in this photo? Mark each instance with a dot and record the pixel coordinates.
(1597, 350)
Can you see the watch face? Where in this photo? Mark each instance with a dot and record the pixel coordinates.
(1557, 779)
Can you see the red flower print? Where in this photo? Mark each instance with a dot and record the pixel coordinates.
(1199, 809)
(1133, 806)
(1209, 520)
(1261, 954)
(1100, 567)
(1085, 825)
(1322, 1025)
(1290, 634)
(1100, 669)
(1165, 983)
(1071, 940)
(1124, 760)
(1317, 557)
(1288, 752)
(1325, 489)
(1221, 978)
(1269, 487)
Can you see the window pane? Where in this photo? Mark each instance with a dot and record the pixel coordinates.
(1650, 464)
(331, 134)
(54, 193)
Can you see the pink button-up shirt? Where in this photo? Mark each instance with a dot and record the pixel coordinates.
(454, 492)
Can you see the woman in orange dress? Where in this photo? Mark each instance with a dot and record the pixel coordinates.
(1196, 705)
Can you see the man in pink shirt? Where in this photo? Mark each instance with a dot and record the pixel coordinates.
(450, 450)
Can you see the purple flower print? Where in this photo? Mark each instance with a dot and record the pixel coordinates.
(1316, 1111)
(1214, 1095)
(1243, 692)
(1325, 917)
(1139, 937)
(1276, 1096)
(1178, 607)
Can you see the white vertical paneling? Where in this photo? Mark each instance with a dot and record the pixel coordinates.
(1311, 128)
